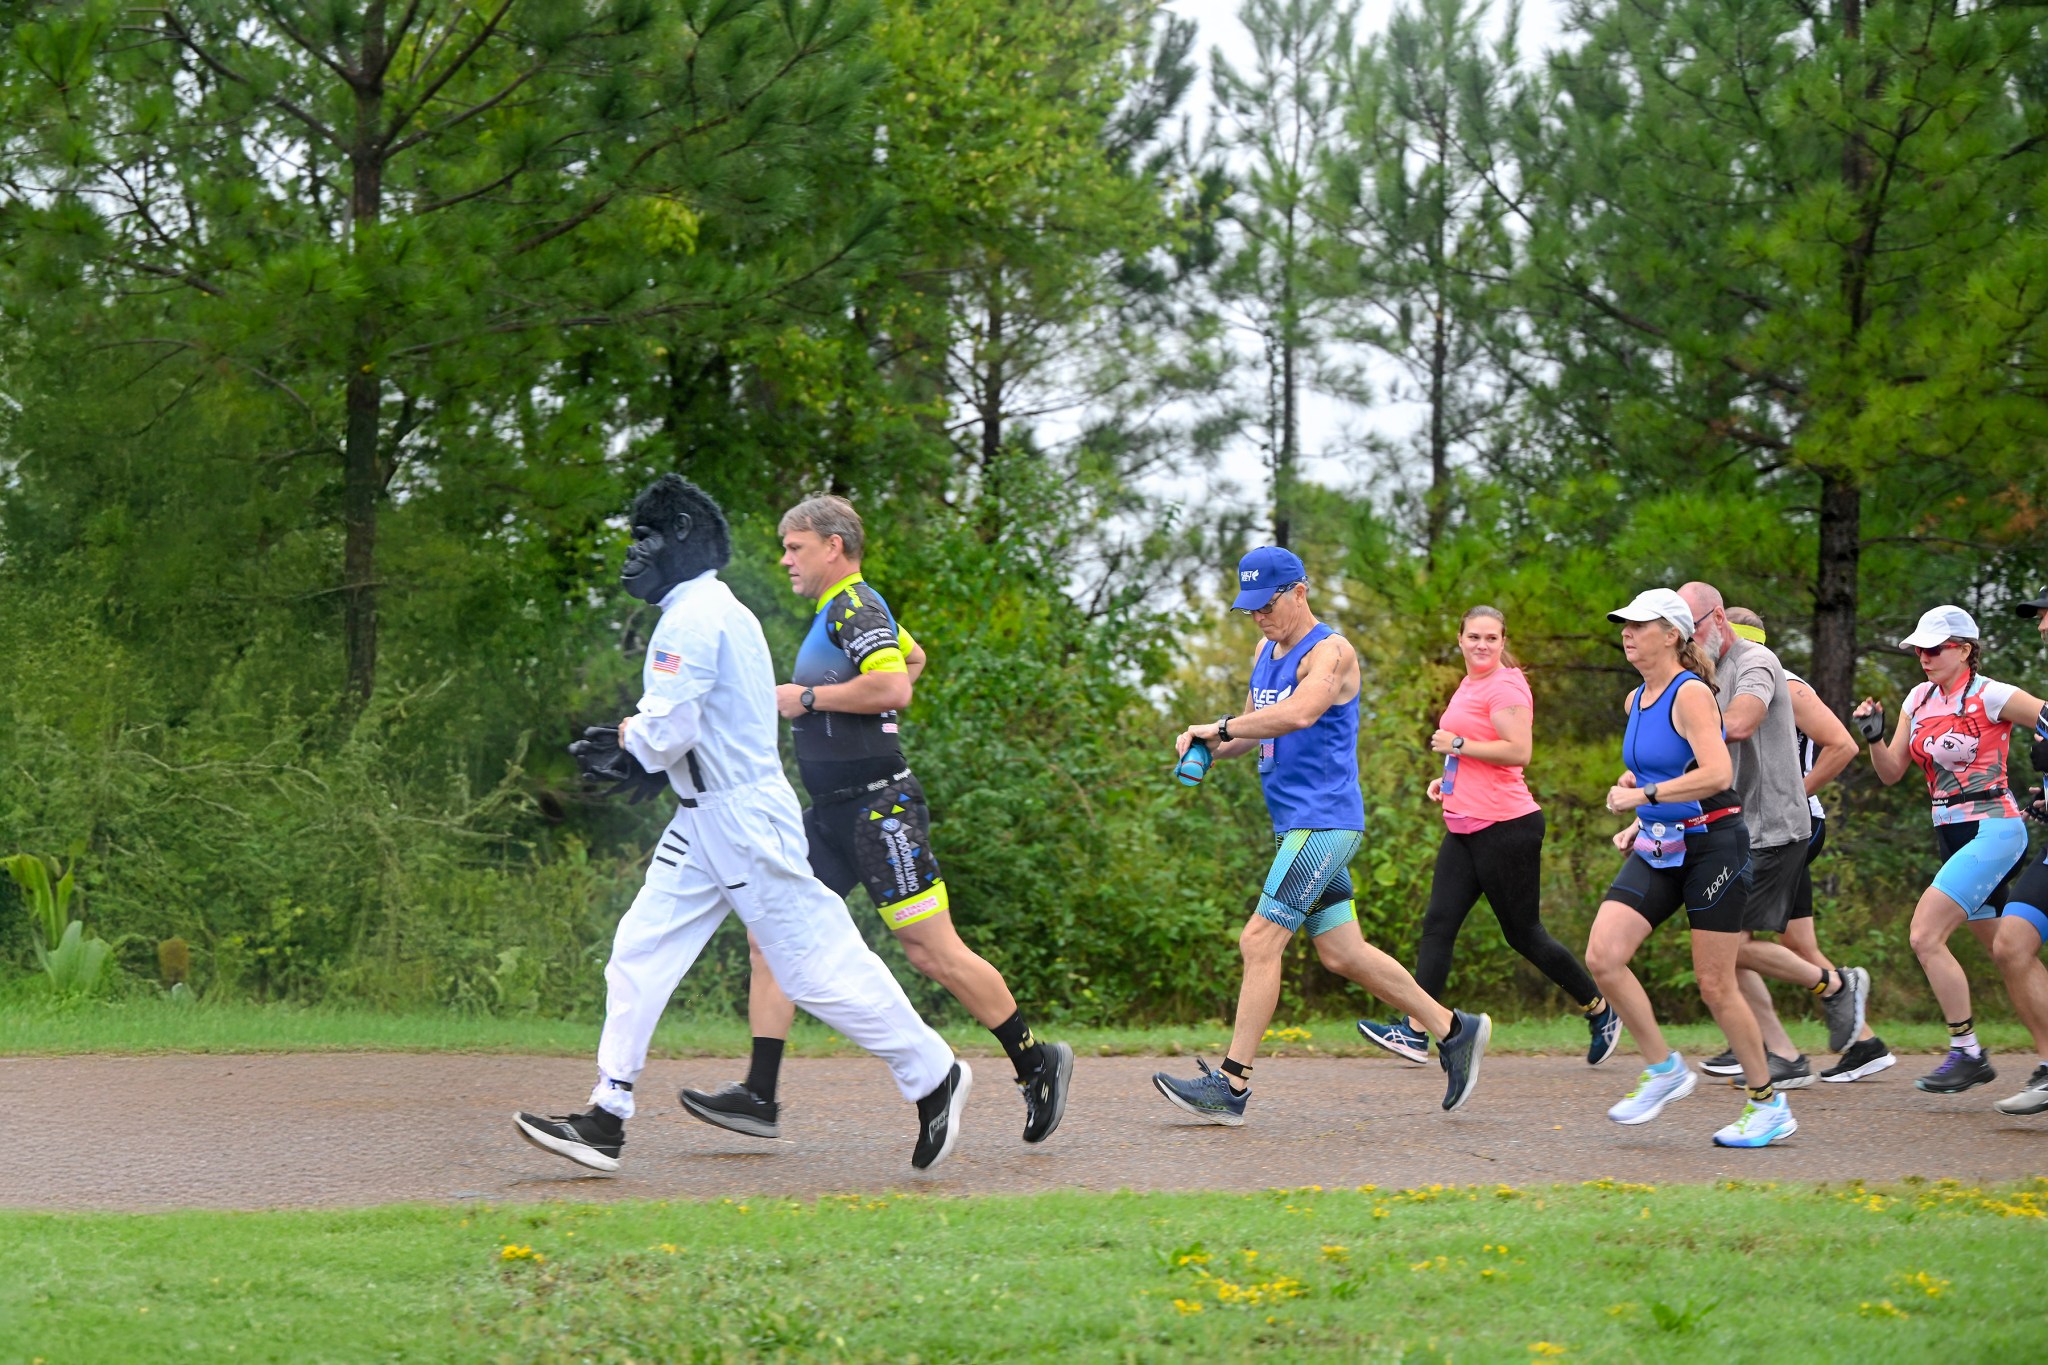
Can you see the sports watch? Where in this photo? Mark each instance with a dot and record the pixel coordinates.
(1457, 744)
(1223, 728)
(809, 697)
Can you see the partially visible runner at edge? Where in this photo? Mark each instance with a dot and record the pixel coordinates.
(1956, 726)
(1493, 840)
(1825, 748)
(867, 823)
(1758, 722)
(2024, 925)
(1301, 719)
(1687, 846)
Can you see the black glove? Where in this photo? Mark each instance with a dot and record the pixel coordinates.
(2036, 809)
(1871, 724)
(600, 758)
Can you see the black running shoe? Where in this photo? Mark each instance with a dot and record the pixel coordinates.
(938, 1118)
(1959, 1071)
(1795, 1074)
(1461, 1053)
(1865, 1058)
(736, 1108)
(1045, 1092)
(590, 1139)
(1723, 1065)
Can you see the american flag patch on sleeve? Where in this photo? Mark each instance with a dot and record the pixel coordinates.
(665, 662)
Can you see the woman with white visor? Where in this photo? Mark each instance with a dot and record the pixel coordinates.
(1956, 726)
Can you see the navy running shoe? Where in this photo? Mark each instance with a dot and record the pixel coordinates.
(1606, 1030)
(1410, 1045)
(1461, 1053)
(1208, 1096)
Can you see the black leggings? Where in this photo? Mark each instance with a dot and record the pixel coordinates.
(1504, 863)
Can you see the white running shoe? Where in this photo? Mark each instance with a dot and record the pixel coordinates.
(1654, 1090)
(1760, 1125)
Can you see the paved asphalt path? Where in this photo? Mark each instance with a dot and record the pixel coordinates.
(340, 1130)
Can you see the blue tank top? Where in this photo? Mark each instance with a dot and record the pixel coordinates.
(1310, 776)
(1655, 752)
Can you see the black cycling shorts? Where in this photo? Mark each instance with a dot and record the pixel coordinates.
(1712, 883)
(880, 840)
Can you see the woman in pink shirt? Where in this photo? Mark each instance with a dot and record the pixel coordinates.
(1493, 839)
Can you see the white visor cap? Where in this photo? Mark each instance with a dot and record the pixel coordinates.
(1940, 625)
(1656, 604)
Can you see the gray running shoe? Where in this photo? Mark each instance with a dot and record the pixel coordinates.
(1208, 1096)
(1723, 1065)
(2033, 1096)
(1865, 1058)
(1795, 1074)
(1844, 1009)
(736, 1108)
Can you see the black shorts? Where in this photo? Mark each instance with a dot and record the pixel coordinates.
(1712, 883)
(880, 840)
(1774, 875)
(1802, 889)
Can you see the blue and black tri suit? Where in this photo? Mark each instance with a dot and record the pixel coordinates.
(1310, 779)
(868, 823)
(1690, 853)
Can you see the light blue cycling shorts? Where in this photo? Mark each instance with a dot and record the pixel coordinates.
(1980, 864)
(1310, 881)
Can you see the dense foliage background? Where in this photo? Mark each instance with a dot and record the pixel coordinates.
(337, 335)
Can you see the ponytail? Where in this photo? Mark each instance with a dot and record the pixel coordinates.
(1690, 656)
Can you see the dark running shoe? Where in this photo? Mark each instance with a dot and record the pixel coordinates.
(1723, 1065)
(1795, 1074)
(1461, 1053)
(736, 1108)
(938, 1118)
(1208, 1096)
(1844, 1009)
(1606, 1029)
(1396, 1037)
(1866, 1058)
(590, 1139)
(1959, 1071)
(1045, 1092)
(2033, 1097)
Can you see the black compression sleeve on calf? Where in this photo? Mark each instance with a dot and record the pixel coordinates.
(766, 1066)
(1024, 1052)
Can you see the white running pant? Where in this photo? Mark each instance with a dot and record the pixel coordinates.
(744, 851)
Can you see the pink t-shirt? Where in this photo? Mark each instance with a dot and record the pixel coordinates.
(1485, 793)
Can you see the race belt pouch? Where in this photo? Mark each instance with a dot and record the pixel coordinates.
(1661, 843)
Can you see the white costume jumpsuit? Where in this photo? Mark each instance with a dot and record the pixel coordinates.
(707, 719)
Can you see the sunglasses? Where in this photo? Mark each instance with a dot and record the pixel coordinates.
(1273, 602)
(1935, 651)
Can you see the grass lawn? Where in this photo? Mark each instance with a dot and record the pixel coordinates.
(32, 1025)
(1604, 1271)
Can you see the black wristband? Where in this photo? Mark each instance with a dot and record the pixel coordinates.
(1223, 728)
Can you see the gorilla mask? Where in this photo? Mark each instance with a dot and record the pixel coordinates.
(678, 533)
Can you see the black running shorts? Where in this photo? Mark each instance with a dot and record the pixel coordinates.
(1712, 883)
(880, 840)
(1774, 875)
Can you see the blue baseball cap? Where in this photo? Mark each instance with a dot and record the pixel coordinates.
(1263, 572)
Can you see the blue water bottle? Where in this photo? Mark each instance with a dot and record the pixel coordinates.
(1194, 764)
(1450, 773)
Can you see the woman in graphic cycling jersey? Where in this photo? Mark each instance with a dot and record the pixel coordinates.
(1956, 726)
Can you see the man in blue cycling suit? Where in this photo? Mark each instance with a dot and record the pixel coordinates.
(1301, 718)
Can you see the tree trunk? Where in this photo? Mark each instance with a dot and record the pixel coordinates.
(362, 462)
(1834, 599)
(990, 401)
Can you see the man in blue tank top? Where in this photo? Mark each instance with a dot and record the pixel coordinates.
(1301, 719)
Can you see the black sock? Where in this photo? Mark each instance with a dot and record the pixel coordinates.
(1025, 1053)
(762, 1071)
(606, 1122)
(1456, 1027)
(1593, 1006)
